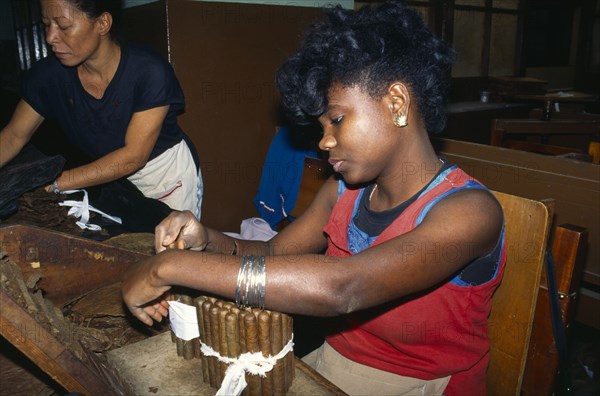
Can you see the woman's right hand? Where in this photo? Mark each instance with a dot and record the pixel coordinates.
(180, 230)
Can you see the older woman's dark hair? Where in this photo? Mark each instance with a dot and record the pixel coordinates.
(370, 48)
(94, 8)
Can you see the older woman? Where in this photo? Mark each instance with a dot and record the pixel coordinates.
(117, 103)
(413, 246)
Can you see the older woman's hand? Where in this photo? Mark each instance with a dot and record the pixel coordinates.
(180, 230)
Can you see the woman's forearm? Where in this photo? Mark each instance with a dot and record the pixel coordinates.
(18, 131)
(111, 167)
(225, 244)
(8, 149)
(291, 286)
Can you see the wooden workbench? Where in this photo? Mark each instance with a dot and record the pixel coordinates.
(46, 274)
(152, 367)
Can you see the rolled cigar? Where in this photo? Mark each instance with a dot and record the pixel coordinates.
(232, 333)
(241, 317)
(223, 350)
(242, 329)
(290, 356)
(197, 351)
(206, 306)
(216, 344)
(188, 346)
(200, 316)
(251, 329)
(286, 360)
(264, 342)
(276, 347)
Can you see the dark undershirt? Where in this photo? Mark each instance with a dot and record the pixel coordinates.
(374, 223)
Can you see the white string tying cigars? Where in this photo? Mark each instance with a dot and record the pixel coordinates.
(81, 210)
(255, 363)
(184, 323)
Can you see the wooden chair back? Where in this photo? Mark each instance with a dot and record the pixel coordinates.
(538, 114)
(568, 249)
(535, 135)
(316, 171)
(513, 307)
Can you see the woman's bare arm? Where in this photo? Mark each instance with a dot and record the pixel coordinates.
(141, 135)
(466, 225)
(23, 124)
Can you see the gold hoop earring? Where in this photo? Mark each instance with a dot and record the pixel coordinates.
(400, 119)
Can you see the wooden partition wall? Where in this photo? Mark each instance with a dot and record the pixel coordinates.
(225, 56)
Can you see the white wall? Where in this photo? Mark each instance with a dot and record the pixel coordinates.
(302, 3)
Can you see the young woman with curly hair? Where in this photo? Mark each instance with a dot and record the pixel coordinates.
(413, 246)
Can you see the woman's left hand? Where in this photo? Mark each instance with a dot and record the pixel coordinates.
(143, 292)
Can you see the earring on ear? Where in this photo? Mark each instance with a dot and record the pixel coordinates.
(400, 119)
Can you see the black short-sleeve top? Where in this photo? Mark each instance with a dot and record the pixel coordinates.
(143, 80)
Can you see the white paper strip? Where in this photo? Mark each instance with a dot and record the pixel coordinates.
(184, 321)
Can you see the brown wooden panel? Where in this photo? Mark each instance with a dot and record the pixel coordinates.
(226, 56)
(147, 24)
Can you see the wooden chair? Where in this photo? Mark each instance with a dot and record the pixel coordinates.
(316, 171)
(535, 135)
(513, 307)
(568, 249)
(538, 114)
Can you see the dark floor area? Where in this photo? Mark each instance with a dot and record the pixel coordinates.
(584, 350)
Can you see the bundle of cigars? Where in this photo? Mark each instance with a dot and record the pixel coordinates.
(231, 331)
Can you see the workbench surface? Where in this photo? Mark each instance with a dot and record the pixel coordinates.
(152, 367)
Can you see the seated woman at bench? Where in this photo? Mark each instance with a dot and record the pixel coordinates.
(413, 246)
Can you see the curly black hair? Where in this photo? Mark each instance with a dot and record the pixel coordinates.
(369, 48)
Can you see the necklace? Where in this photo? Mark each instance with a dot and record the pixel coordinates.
(372, 191)
(375, 188)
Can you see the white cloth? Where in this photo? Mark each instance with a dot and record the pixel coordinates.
(172, 178)
(81, 210)
(357, 379)
(254, 229)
